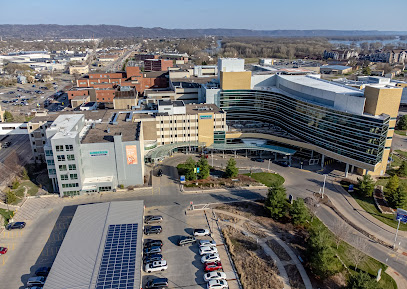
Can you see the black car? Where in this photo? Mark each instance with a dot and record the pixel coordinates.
(152, 258)
(15, 225)
(152, 230)
(42, 271)
(152, 243)
(185, 240)
(160, 173)
(152, 250)
(157, 283)
(282, 163)
(260, 160)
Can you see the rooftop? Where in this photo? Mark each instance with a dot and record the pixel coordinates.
(338, 67)
(86, 244)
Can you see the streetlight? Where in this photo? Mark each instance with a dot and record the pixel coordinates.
(395, 238)
(268, 167)
(323, 187)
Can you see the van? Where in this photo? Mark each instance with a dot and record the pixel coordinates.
(36, 281)
(157, 283)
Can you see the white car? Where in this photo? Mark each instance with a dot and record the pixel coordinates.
(156, 266)
(207, 243)
(201, 232)
(218, 284)
(214, 276)
(207, 250)
(210, 258)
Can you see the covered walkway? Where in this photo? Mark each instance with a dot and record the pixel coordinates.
(165, 150)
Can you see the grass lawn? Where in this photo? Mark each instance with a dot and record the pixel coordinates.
(267, 179)
(6, 215)
(403, 153)
(370, 265)
(251, 60)
(367, 204)
(32, 189)
(400, 132)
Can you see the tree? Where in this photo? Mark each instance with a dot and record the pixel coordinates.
(10, 197)
(362, 280)
(276, 201)
(357, 255)
(341, 231)
(15, 184)
(392, 185)
(313, 204)
(8, 116)
(402, 123)
(203, 168)
(299, 212)
(366, 70)
(366, 185)
(398, 199)
(402, 171)
(231, 169)
(322, 256)
(187, 169)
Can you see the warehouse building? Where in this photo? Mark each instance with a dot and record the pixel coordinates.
(102, 248)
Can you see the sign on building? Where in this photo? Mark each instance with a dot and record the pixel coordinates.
(131, 154)
(205, 116)
(99, 153)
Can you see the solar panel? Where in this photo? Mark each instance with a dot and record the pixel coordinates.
(118, 263)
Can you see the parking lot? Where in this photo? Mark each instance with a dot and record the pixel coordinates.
(185, 269)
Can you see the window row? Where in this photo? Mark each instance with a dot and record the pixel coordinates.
(71, 185)
(60, 148)
(71, 176)
(61, 158)
(71, 167)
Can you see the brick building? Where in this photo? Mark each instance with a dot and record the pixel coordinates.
(157, 64)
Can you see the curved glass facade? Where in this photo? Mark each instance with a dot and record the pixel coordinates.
(358, 137)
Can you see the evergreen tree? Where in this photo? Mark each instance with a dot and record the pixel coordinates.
(362, 280)
(203, 168)
(392, 185)
(402, 123)
(276, 201)
(8, 117)
(299, 212)
(366, 185)
(10, 197)
(187, 169)
(231, 169)
(398, 199)
(402, 171)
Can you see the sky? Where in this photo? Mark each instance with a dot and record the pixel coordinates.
(241, 14)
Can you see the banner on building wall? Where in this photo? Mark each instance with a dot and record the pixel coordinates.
(131, 155)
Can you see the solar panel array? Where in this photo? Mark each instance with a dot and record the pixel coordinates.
(119, 257)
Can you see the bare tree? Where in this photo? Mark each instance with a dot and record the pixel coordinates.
(356, 254)
(313, 205)
(341, 231)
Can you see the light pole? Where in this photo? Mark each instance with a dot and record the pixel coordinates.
(395, 238)
(268, 167)
(323, 187)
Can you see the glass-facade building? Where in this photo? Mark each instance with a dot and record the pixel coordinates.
(359, 137)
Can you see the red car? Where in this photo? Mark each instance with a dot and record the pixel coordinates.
(213, 266)
(3, 250)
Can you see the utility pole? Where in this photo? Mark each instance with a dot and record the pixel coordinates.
(268, 167)
(323, 187)
(395, 238)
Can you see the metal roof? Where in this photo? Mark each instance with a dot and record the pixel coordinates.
(79, 258)
(243, 146)
(164, 150)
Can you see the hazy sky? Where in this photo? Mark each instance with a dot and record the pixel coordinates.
(249, 14)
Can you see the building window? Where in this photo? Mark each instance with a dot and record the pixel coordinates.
(71, 185)
(73, 176)
(35, 150)
(43, 142)
(59, 148)
(105, 189)
(52, 171)
(64, 177)
(61, 158)
(70, 157)
(62, 167)
(69, 148)
(48, 153)
(50, 162)
(72, 167)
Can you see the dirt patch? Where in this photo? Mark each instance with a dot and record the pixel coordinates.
(295, 277)
(255, 268)
(213, 183)
(254, 230)
(227, 218)
(279, 250)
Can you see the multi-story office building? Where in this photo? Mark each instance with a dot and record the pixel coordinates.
(346, 124)
(157, 64)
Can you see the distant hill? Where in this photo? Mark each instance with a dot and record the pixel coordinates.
(99, 31)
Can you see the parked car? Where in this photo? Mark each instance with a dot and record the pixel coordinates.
(152, 243)
(160, 173)
(36, 281)
(3, 250)
(201, 232)
(282, 163)
(152, 250)
(210, 258)
(217, 284)
(152, 258)
(207, 250)
(153, 219)
(5, 144)
(15, 225)
(213, 266)
(214, 276)
(156, 266)
(152, 230)
(260, 160)
(185, 240)
(42, 271)
(207, 243)
(157, 283)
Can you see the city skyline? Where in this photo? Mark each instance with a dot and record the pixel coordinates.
(180, 14)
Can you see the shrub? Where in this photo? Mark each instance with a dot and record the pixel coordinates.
(299, 212)
(276, 201)
(231, 169)
(366, 186)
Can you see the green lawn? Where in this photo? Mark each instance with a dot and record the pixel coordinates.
(400, 132)
(370, 265)
(32, 189)
(267, 179)
(367, 204)
(6, 215)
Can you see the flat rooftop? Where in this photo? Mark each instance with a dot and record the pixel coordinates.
(202, 108)
(87, 258)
